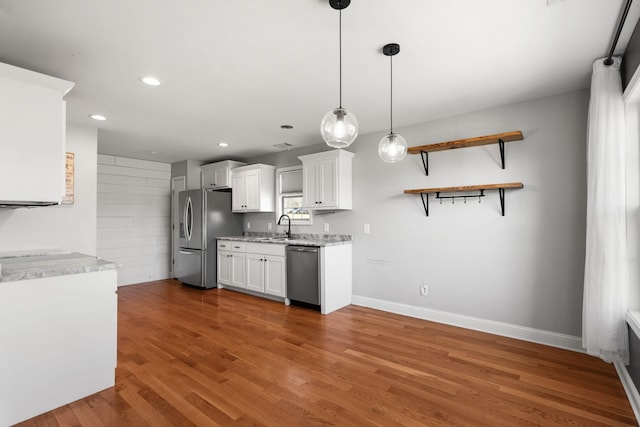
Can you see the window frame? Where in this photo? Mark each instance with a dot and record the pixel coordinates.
(280, 196)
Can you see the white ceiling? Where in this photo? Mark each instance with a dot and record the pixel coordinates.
(235, 70)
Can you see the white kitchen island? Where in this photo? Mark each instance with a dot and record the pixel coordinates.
(58, 331)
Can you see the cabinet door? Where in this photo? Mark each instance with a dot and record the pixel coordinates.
(221, 177)
(309, 184)
(207, 179)
(32, 131)
(326, 174)
(224, 267)
(274, 275)
(252, 190)
(238, 193)
(237, 269)
(255, 272)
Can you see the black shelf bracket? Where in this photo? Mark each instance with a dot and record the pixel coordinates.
(425, 202)
(501, 192)
(425, 162)
(425, 157)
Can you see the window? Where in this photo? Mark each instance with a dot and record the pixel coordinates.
(289, 196)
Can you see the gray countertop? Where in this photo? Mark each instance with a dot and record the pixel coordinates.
(38, 264)
(302, 240)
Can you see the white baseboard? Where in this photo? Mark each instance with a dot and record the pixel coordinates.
(539, 336)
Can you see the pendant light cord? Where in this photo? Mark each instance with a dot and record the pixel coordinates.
(340, 50)
(391, 97)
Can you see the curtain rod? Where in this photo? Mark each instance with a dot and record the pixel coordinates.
(623, 18)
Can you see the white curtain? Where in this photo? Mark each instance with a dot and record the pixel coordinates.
(604, 332)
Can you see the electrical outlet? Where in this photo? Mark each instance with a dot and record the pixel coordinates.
(248, 226)
(424, 290)
(326, 227)
(269, 226)
(367, 229)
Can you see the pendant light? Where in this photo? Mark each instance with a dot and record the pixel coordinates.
(339, 127)
(393, 147)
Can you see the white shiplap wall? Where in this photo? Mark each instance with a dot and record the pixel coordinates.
(134, 217)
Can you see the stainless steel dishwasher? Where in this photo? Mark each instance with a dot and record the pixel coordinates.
(303, 274)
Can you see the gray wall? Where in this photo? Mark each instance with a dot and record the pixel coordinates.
(190, 169)
(522, 269)
(68, 227)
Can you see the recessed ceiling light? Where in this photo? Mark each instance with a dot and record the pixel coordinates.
(223, 144)
(149, 80)
(98, 117)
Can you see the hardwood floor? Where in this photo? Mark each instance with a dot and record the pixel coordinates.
(221, 358)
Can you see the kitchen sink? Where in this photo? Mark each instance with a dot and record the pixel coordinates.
(272, 239)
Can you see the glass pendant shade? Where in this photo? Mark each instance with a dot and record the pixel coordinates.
(339, 128)
(392, 148)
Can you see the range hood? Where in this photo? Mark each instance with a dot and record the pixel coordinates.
(33, 138)
(15, 204)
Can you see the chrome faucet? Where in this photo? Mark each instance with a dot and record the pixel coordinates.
(280, 223)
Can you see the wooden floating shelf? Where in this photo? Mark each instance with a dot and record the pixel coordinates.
(424, 192)
(465, 188)
(468, 142)
(499, 138)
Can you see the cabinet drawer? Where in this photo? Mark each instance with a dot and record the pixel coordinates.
(266, 248)
(224, 245)
(238, 246)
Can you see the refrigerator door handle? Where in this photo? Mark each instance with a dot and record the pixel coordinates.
(188, 252)
(188, 218)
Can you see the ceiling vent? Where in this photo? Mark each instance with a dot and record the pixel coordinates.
(284, 145)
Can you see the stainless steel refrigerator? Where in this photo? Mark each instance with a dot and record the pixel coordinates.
(204, 216)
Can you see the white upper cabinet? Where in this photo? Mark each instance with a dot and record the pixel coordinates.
(218, 175)
(326, 180)
(32, 136)
(253, 188)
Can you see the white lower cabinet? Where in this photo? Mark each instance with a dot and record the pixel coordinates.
(255, 272)
(224, 267)
(266, 273)
(231, 263)
(275, 275)
(258, 267)
(266, 268)
(237, 270)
